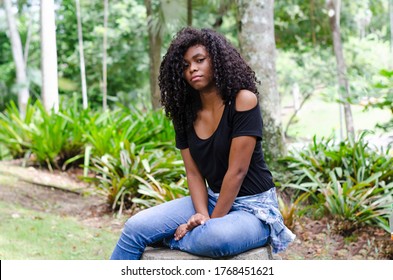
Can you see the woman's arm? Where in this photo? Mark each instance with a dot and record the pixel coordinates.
(196, 184)
(239, 160)
(198, 192)
(240, 154)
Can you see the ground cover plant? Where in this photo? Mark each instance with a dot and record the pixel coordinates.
(348, 180)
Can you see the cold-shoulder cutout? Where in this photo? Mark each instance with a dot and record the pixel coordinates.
(245, 100)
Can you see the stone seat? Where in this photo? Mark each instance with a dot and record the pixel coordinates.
(162, 253)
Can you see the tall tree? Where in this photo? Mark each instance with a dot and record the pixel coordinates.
(81, 55)
(189, 12)
(50, 88)
(333, 10)
(104, 55)
(169, 14)
(391, 31)
(257, 43)
(155, 43)
(17, 53)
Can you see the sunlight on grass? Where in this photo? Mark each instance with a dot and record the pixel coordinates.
(321, 118)
(27, 235)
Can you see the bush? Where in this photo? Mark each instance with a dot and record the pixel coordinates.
(137, 176)
(131, 152)
(385, 89)
(14, 130)
(349, 180)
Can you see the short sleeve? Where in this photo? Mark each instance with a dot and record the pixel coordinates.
(181, 139)
(247, 123)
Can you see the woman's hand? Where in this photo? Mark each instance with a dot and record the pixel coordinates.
(180, 232)
(195, 220)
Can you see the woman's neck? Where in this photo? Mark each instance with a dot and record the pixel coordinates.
(211, 99)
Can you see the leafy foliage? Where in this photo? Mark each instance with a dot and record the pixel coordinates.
(136, 176)
(130, 152)
(14, 130)
(350, 180)
(385, 88)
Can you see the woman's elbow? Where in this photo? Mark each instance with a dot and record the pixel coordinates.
(239, 173)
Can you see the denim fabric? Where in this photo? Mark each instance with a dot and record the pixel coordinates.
(265, 207)
(245, 227)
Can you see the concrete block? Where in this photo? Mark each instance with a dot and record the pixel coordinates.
(162, 253)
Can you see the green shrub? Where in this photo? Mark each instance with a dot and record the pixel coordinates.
(55, 138)
(351, 180)
(137, 176)
(108, 130)
(14, 130)
(51, 138)
(384, 88)
(131, 151)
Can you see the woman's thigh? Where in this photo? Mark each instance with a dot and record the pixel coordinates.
(160, 221)
(236, 232)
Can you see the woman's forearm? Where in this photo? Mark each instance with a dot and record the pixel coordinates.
(198, 194)
(229, 191)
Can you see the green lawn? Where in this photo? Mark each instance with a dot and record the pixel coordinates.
(321, 118)
(28, 235)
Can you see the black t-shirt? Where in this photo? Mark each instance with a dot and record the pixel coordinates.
(212, 155)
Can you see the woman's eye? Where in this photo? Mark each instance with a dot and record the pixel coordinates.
(200, 60)
(185, 65)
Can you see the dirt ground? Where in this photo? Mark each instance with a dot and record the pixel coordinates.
(316, 239)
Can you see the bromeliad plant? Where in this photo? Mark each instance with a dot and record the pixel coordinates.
(50, 138)
(55, 138)
(143, 177)
(110, 129)
(14, 130)
(130, 151)
(351, 180)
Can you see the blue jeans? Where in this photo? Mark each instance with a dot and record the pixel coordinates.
(232, 234)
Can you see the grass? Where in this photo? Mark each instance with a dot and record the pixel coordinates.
(31, 235)
(321, 118)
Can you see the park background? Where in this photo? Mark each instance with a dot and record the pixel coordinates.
(84, 143)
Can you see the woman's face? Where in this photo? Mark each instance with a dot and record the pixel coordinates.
(198, 70)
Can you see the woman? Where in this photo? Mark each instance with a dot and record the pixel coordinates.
(210, 94)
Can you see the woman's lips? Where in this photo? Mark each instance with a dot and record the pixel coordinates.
(196, 78)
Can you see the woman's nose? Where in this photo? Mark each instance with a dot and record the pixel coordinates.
(193, 67)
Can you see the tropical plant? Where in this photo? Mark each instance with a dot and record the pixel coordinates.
(289, 210)
(14, 130)
(385, 89)
(109, 129)
(138, 176)
(351, 180)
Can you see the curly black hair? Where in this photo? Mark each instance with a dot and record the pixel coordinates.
(231, 74)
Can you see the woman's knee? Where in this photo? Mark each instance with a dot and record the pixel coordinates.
(210, 241)
(219, 238)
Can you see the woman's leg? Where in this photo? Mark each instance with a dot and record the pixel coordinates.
(237, 232)
(150, 226)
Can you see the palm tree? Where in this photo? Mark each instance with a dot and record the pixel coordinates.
(20, 64)
(50, 90)
(169, 13)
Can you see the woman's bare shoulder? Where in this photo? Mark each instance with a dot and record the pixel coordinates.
(245, 100)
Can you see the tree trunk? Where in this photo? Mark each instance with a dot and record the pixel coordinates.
(104, 54)
(341, 66)
(17, 53)
(155, 42)
(312, 23)
(28, 37)
(391, 31)
(189, 12)
(50, 90)
(81, 55)
(222, 10)
(256, 37)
